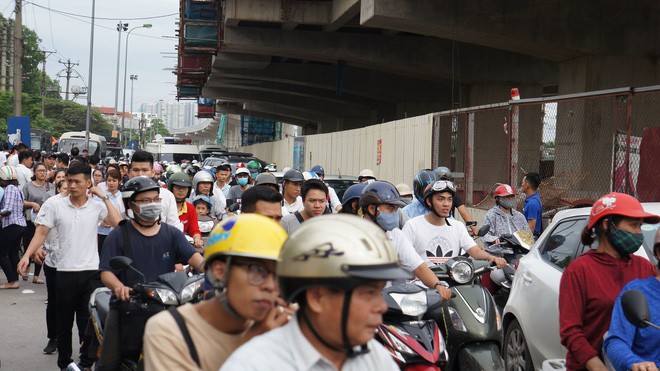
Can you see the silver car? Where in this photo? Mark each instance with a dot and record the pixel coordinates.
(531, 315)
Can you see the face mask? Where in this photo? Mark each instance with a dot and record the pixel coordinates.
(254, 175)
(242, 181)
(624, 242)
(388, 221)
(507, 204)
(149, 212)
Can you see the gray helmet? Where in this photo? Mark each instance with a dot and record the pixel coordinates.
(202, 177)
(293, 175)
(443, 172)
(265, 179)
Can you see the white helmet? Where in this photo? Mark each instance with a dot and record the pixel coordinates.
(202, 177)
(366, 173)
(7, 173)
(307, 175)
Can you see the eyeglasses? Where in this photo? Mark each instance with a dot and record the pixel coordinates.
(147, 201)
(40, 171)
(257, 273)
(442, 185)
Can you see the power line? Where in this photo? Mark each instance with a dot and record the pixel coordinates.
(109, 19)
(50, 22)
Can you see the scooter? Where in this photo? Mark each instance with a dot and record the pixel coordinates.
(511, 248)
(469, 321)
(147, 299)
(414, 343)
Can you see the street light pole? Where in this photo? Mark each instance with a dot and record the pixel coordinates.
(88, 116)
(123, 109)
(130, 134)
(120, 27)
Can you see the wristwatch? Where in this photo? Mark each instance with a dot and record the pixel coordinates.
(107, 197)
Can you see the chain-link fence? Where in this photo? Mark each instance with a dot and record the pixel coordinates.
(582, 145)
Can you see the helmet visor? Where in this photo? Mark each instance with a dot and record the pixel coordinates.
(385, 272)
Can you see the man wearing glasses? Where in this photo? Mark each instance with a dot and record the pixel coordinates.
(434, 233)
(241, 258)
(154, 248)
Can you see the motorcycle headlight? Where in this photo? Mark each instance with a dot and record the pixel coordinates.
(462, 272)
(411, 304)
(165, 296)
(188, 292)
(456, 320)
(401, 346)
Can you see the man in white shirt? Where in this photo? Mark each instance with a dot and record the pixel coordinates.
(291, 184)
(24, 168)
(3, 154)
(222, 176)
(76, 219)
(335, 204)
(433, 232)
(380, 202)
(142, 163)
(315, 199)
(339, 264)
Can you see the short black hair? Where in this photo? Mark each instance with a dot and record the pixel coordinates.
(78, 167)
(24, 155)
(250, 197)
(75, 151)
(312, 184)
(533, 179)
(224, 167)
(142, 156)
(85, 150)
(93, 160)
(63, 158)
(21, 146)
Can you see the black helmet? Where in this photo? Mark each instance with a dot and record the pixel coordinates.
(293, 175)
(136, 186)
(380, 192)
(438, 187)
(421, 181)
(352, 193)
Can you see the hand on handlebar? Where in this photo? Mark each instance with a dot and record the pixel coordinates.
(123, 293)
(445, 293)
(499, 262)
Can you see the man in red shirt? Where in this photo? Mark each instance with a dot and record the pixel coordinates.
(180, 185)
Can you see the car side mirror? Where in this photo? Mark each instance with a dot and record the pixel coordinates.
(636, 308)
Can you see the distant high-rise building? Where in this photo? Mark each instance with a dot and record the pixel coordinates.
(176, 115)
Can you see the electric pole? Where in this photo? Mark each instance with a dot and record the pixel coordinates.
(18, 57)
(43, 80)
(3, 56)
(68, 68)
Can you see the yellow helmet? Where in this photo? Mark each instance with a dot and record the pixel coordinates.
(248, 235)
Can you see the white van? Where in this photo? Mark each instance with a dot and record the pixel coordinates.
(68, 140)
(172, 150)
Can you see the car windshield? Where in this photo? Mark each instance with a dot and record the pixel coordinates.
(649, 231)
(68, 143)
(340, 185)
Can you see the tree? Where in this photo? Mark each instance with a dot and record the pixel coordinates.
(158, 127)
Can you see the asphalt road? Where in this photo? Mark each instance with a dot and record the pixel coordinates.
(23, 328)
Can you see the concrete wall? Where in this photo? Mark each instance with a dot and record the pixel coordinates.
(406, 148)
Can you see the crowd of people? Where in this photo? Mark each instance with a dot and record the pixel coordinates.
(294, 274)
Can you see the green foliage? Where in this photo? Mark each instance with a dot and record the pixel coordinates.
(158, 127)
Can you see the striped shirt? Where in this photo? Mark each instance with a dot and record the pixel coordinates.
(13, 201)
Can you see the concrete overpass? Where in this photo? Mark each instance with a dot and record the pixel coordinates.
(331, 65)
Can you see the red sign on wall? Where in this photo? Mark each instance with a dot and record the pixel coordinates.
(379, 151)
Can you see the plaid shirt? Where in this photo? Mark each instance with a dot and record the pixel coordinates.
(13, 201)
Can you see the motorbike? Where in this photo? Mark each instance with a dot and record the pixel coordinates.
(414, 343)
(147, 298)
(469, 321)
(511, 248)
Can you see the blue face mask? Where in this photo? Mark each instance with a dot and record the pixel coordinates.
(388, 221)
(242, 181)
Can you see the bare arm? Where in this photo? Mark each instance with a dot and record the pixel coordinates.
(467, 217)
(477, 253)
(113, 283)
(197, 261)
(532, 224)
(429, 279)
(37, 241)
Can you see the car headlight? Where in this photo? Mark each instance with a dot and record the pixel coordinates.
(456, 319)
(462, 272)
(165, 296)
(188, 292)
(411, 304)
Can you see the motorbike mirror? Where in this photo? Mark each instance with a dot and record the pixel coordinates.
(636, 308)
(120, 263)
(483, 230)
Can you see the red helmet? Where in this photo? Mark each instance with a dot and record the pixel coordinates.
(240, 165)
(504, 190)
(619, 204)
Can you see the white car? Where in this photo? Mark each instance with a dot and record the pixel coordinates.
(531, 315)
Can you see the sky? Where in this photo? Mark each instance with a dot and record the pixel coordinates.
(68, 35)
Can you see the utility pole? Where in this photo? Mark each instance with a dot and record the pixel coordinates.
(10, 71)
(68, 68)
(43, 80)
(3, 56)
(18, 57)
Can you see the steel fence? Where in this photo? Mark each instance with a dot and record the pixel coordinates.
(583, 146)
